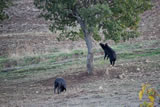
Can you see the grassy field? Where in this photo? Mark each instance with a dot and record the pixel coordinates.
(28, 81)
(30, 65)
(27, 75)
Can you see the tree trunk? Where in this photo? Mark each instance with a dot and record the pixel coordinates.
(88, 40)
(90, 53)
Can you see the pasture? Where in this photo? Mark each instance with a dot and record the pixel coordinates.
(35, 59)
(29, 80)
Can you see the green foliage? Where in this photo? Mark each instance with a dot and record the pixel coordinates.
(126, 35)
(117, 19)
(3, 5)
(96, 35)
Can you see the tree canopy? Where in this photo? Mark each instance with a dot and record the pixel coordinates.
(3, 5)
(116, 19)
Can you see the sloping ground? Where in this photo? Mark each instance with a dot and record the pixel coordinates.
(23, 19)
(150, 23)
(25, 34)
(32, 44)
(108, 87)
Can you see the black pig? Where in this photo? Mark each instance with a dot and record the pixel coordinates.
(109, 53)
(59, 85)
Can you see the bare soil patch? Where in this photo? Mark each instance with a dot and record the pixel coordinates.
(76, 78)
(107, 86)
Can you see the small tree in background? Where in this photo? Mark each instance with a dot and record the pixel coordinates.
(115, 19)
(3, 5)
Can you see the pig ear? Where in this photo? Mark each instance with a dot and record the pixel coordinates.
(106, 44)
